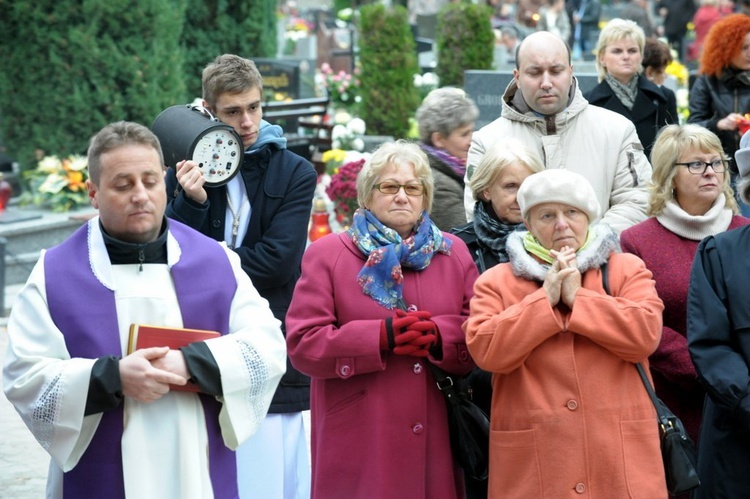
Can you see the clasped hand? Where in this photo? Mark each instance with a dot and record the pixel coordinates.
(409, 333)
(563, 278)
(147, 373)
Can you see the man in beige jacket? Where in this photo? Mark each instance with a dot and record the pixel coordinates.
(543, 107)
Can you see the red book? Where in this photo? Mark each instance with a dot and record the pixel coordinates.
(145, 336)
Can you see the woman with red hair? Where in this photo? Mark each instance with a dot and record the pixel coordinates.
(720, 96)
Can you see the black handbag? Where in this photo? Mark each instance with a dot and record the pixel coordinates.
(677, 450)
(468, 425)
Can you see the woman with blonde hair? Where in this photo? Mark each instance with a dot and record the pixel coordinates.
(690, 199)
(717, 331)
(622, 86)
(375, 305)
(494, 185)
(497, 215)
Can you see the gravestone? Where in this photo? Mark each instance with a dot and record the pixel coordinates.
(287, 78)
(486, 88)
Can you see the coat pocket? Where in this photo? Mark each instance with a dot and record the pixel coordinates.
(514, 464)
(644, 471)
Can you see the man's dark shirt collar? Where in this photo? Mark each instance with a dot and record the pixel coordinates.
(123, 253)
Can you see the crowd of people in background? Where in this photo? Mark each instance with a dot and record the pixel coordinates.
(540, 257)
(683, 24)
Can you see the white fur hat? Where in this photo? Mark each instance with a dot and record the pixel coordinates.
(558, 186)
(742, 155)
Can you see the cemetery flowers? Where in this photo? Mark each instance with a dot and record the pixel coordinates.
(343, 189)
(342, 87)
(58, 183)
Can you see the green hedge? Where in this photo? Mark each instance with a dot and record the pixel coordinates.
(246, 28)
(464, 41)
(71, 67)
(388, 57)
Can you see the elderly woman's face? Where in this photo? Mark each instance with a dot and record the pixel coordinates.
(696, 193)
(741, 60)
(622, 59)
(556, 225)
(457, 143)
(501, 194)
(398, 211)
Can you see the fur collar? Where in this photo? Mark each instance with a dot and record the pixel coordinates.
(603, 243)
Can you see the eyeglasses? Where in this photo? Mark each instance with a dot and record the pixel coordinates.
(411, 189)
(700, 167)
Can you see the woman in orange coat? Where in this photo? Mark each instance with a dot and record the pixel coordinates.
(570, 414)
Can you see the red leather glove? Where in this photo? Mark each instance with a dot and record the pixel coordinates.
(393, 327)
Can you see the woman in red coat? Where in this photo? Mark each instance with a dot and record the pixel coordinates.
(373, 307)
(689, 200)
(570, 414)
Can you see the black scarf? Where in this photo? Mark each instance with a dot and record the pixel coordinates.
(491, 232)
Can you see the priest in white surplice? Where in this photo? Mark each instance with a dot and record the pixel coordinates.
(109, 420)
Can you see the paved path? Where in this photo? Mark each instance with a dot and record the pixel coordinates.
(23, 462)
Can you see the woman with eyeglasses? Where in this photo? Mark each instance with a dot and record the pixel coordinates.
(690, 199)
(718, 312)
(373, 307)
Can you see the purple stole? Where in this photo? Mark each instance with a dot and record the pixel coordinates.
(85, 311)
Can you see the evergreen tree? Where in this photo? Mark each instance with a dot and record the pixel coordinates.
(464, 41)
(388, 58)
(70, 67)
(243, 27)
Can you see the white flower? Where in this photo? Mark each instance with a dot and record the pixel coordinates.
(339, 132)
(358, 144)
(336, 144)
(681, 96)
(50, 164)
(341, 117)
(53, 184)
(78, 163)
(417, 80)
(352, 156)
(430, 79)
(357, 126)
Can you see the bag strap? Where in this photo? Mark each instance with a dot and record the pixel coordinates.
(663, 417)
(445, 383)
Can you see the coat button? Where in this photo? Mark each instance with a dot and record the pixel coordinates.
(216, 223)
(572, 405)
(345, 370)
(580, 488)
(417, 368)
(417, 428)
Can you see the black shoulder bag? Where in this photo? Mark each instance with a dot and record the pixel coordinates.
(677, 450)
(468, 425)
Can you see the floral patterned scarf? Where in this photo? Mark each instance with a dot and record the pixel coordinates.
(458, 165)
(381, 277)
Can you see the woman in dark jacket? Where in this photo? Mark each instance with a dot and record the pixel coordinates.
(720, 96)
(496, 213)
(446, 121)
(622, 86)
(719, 345)
(494, 184)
